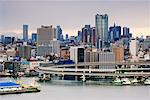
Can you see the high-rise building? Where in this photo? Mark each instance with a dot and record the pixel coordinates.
(79, 39)
(61, 37)
(86, 34)
(133, 48)
(58, 32)
(45, 34)
(2, 39)
(126, 32)
(25, 33)
(34, 37)
(93, 36)
(101, 22)
(114, 33)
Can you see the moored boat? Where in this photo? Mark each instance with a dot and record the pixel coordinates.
(147, 81)
(134, 81)
(15, 88)
(126, 81)
(117, 81)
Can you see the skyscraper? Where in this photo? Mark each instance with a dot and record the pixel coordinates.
(44, 36)
(79, 36)
(34, 37)
(114, 33)
(93, 36)
(58, 32)
(2, 39)
(101, 23)
(86, 34)
(126, 32)
(25, 33)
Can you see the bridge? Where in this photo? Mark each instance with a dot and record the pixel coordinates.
(127, 69)
(103, 64)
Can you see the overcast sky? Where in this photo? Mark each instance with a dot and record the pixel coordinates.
(72, 15)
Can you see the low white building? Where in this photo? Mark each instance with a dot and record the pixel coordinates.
(77, 54)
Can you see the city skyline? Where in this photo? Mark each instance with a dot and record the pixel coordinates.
(72, 16)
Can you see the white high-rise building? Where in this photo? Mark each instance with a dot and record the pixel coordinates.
(133, 48)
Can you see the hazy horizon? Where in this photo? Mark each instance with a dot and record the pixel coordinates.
(73, 15)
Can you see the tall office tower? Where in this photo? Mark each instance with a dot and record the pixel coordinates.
(25, 33)
(114, 33)
(58, 32)
(93, 36)
(101, 23)
(34, 37)
(45, 34)
(126, 32)
(79, 36)
(2, 39)
(86, 34)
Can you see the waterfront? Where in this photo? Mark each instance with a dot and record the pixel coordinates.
(66, 90)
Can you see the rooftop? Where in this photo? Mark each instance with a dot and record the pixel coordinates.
(8, 84)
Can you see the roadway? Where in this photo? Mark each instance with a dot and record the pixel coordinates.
(91, 71)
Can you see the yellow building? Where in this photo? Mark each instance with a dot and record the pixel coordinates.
(119, 53)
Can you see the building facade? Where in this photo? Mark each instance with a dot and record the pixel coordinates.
(101, 23)
(77, 54)
(25, 33)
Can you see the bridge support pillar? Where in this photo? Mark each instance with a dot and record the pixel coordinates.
(83, 78)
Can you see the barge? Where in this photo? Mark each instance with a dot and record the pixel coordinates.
(15, 88)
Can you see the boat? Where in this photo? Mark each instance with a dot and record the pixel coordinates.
(147, 81)
(126, 81)
(15, 88)
(134, 81)
(117, 81)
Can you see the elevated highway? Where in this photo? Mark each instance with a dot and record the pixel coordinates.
(89, 69)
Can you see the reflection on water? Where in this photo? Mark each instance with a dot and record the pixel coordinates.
(71, 90)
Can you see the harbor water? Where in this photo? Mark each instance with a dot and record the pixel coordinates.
(69, 90)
